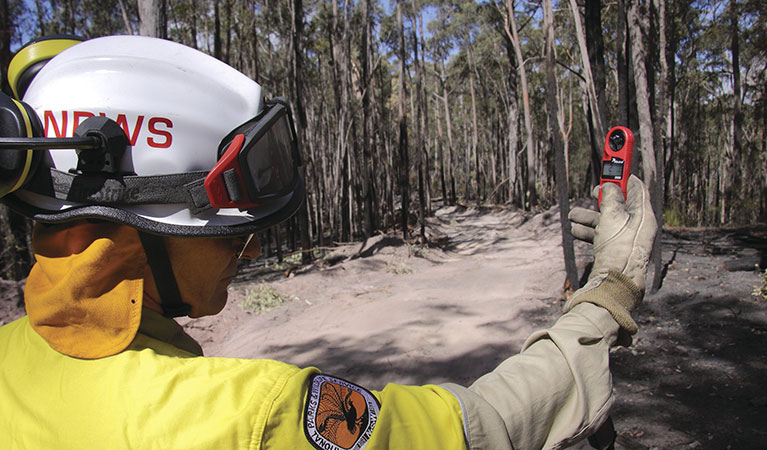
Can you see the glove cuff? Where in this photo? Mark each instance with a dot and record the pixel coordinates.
(615, 292)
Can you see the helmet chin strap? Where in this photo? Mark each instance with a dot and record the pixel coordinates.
(162, 272)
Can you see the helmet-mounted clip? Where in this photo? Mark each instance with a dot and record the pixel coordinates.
(107, 156)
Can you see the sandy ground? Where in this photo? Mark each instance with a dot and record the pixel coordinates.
(692, 379)
(404, 313)
(387, 311)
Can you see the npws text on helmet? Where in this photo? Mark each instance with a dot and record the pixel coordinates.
(157, 129)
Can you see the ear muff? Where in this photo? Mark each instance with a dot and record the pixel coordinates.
(32, 57)
(17, 120)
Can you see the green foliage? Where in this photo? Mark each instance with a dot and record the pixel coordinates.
(760, 292)
(263, 298)
(291, 260)
(416, 250)
(398, 268)
(673, 217)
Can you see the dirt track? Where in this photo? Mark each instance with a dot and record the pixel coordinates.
(691, 379)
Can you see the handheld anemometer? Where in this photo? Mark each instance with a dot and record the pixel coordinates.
(616, 159)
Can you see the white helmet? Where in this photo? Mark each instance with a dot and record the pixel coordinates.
(207, 154)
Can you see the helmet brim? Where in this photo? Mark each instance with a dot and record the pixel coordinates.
(213, 224)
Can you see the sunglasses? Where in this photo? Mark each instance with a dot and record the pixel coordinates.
(249, 247)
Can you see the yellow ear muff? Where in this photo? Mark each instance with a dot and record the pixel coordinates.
(28, 153)
(32, 57)
(17, 120)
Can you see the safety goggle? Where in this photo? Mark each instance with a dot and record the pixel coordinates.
(258, 161)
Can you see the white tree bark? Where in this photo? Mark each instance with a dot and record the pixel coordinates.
(152, 18)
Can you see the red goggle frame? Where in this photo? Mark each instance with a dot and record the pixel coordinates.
(258, 161)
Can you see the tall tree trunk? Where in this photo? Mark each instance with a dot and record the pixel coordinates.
(595, 47)
(341, 109)
(297, 28)
(367, 171)
(346, 232)
(123, 13)
(555, 134)
(335, 141)
(193, 24)
(659, 140)
(565, 124)
(421, 124)
(153, 18)
(671, 44)
(441, 153)
(511, 27)
(253, 38)
(622, 55)
(637, 18)
(596, 104)
(217, 29)
(735, 191)
(474, 137)
(449, 130)
(662, 101)
(596, 52)
(424, 123)
(513, 138)
(228, 33)
(404, 164)
(512, 118)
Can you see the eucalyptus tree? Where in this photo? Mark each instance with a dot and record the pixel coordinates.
(556, 139)
(153, 18)
(404, 165)
(591, 49)
(422, 112)
(513, 32)
(440, 45)
(510, 101)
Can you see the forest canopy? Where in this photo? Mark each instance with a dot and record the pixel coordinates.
(405, 106)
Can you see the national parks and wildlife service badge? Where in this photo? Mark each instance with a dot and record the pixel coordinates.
(339, 415)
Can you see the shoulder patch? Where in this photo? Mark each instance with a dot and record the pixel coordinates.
(339, 415)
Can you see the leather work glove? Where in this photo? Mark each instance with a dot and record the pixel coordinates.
(623, 235)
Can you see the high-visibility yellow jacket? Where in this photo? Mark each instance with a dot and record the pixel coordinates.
(156, 396)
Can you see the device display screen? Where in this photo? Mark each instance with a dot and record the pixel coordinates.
(612, 170)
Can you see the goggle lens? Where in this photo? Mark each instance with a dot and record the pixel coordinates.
(270, 160)
(259, 162)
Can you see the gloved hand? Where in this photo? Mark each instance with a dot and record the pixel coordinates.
(623, 235)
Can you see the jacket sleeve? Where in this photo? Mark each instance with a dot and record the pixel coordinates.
(557, 391)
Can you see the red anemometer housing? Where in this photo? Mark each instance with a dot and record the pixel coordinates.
(616, 159)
